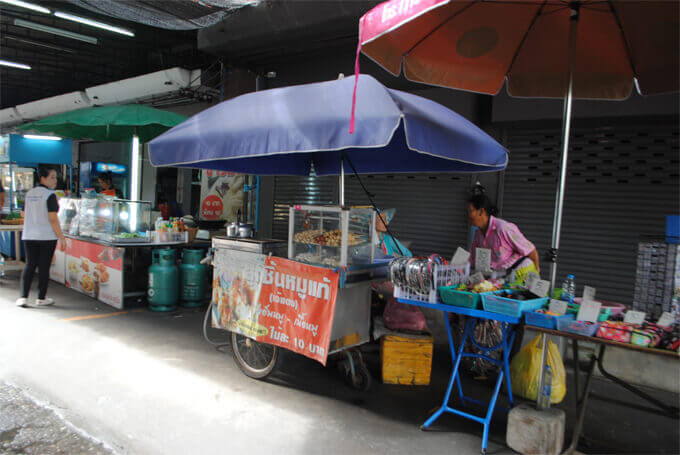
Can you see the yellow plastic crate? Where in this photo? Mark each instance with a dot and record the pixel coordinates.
(406, 360)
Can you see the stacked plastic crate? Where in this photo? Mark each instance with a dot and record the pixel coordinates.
(657, 277)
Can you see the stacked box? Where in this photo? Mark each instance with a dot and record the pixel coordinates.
(657, 277)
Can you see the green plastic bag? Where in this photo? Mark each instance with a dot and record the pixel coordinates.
(525, 371)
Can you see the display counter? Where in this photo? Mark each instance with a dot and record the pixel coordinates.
(108, 243)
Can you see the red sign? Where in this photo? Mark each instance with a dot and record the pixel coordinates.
(276, 301)
(212, 208)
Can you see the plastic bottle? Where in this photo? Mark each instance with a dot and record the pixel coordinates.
(569, 289)
(2, 264)
(547, 388)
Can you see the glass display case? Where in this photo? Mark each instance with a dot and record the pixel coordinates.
(113, 220)
(20, 180)
(329, 236)
(68, 215)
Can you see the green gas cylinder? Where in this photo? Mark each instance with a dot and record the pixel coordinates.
(163, 281)
(192, 278)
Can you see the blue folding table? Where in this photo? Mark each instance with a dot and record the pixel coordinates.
(468, 334)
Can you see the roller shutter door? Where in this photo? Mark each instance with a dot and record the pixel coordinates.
(622, 180)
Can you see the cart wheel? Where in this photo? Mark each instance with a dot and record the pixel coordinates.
(361, 380)
(256, 360)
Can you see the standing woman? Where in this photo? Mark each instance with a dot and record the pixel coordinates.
(41, 231)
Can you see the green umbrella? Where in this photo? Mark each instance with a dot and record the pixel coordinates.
(108, 123)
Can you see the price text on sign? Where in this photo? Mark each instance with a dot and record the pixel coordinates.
(558, 307)
(461, 257)
(588, 293)
(666, 319)
(635, 317)
(531, 279)
(540, 288)
(482, 259)
(589, 311)
(476, 278)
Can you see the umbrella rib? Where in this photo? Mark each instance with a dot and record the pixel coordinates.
(623, 36)
(521, 43)
(431, 32)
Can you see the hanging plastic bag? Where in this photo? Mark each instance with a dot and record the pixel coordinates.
(525, 371)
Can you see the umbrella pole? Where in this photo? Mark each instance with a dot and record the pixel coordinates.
(342, 183)
(559, 198)
(566, 129)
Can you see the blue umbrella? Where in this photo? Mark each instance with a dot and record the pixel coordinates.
(303, 130)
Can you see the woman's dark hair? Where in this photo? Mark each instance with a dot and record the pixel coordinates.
(106, 178)
(482, 201)
(44, 171)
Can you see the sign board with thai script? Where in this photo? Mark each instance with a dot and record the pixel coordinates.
(275, 301)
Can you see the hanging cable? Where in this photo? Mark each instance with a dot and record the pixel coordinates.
(370, 198)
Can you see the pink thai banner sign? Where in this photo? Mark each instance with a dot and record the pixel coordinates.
(392, 14)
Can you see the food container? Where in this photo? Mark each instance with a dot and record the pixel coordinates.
(615, 308)
(546, 321)
(587, 329)
(452, 296)
(495, 303)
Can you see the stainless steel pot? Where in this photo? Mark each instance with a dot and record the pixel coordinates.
(245, 230)
(233, 230)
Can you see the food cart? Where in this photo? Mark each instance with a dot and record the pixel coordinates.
(333, 243)
(107, 242)
(315, 299)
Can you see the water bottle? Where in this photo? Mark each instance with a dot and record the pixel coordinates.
(544, 402)
(569, 289)
(2, 265)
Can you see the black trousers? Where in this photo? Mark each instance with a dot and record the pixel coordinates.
(38, 254)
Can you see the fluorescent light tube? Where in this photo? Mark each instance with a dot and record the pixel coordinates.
(93, 23)
(14, 65)
(55, 31)
(42, 138)
(26, 5)
(38, 43)
(136, 171)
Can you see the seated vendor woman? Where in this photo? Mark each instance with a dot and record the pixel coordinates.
(386, 242)
(510, 250)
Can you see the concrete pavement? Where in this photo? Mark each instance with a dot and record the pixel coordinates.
(148, 383)
(33, 428)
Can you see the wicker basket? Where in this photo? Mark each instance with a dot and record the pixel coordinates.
(192, 233)
(13, 222)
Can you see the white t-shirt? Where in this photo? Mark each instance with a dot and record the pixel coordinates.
(36, 219)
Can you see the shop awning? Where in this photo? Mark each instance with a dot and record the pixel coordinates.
(304, 130)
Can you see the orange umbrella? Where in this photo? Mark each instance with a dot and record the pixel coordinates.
(475, 45)
(592, 49)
